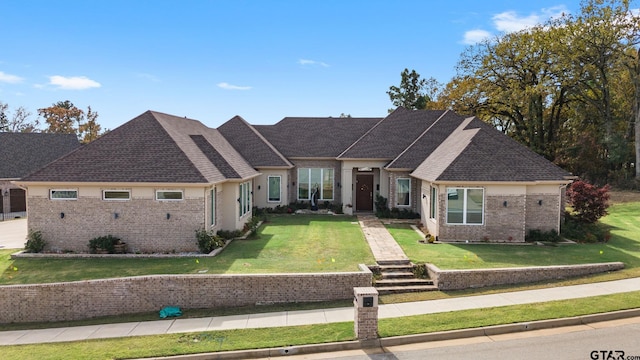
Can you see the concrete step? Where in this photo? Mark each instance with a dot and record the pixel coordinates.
(385, 290)
(402, 282)
(394, 262)
(397, 274)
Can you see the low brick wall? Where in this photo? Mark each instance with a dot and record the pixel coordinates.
(95, 298)
(465, 279)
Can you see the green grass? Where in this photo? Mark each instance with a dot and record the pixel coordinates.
(291, 243)
(212, 341)
(624, 222)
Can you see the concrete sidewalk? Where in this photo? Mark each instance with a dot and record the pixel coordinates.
(13, 234)
(320, 316)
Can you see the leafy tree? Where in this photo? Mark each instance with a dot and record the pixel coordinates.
(589, 202)
(413, 92)
(17, 121)
(65, 118)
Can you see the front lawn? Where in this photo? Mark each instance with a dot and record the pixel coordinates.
(288, 243)
(624, 246)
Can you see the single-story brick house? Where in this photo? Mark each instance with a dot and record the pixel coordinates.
(156, 179)
(21, 154)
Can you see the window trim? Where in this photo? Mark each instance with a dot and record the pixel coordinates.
(104, 198)
(433, 206)
(269, 189)
(244, 201)
(170, 191)
(62, 199)
(322, 174)
(464, 206)
(212, 209)
(397, 187)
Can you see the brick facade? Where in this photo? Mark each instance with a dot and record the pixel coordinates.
(393, 195)
(146, 225)
(96, 298)
(466, 279)
(292, 190)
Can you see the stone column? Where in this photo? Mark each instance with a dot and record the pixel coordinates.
(365, 303)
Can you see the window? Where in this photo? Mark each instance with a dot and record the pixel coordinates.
(403, 192)
(63, 194)
(311, 180)
(434, 203)
(116, 195)
(273, 189)
(169, 195)
(465, 206)
(244, 200)
(213, 207)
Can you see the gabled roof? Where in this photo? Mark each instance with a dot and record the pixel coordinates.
(252, 145)
(153, 147)
(391, 136)
(300, 137)
(23, 153)
(477, 152)
(426, 142)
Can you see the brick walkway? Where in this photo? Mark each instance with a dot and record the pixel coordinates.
(384, 247)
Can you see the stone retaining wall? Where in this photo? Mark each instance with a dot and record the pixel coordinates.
(95, 298)
(465, 279)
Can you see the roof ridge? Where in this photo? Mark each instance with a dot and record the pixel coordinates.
(366, 132)
(418, 138)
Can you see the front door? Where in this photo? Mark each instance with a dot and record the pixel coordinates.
(364, 192)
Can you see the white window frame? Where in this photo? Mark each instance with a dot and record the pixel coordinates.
(433, 206)
(465, 207)
(213, 209)
(397, 187)
(279, 188)
(321, 196)
(104, 197)
(51, 191)
(244, 201)
(170, 191)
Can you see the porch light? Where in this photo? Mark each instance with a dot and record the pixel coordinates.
(504, 203)
(168, 216)
(258, 187)
(61, 215)
(115, 215)
(424, 196)
(6, 192)
(540, 202)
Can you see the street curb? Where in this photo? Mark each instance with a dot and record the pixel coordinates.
(409, 339)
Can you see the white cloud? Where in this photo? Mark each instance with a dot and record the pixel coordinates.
(11, 79)
(227, 86)
(312, 62)
(510, 21)
(473, 37)
(73, 82)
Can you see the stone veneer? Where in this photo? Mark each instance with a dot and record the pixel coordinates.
(465, 279)
(108, 297)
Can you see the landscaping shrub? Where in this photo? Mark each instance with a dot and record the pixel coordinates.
(207, 241)
(589, 202)
(229, 234)
(383, 211)
(535, 235)
(35, 243)
(106, 243)
(580, 231)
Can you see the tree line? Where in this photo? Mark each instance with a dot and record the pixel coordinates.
(569, 89)
(62, 117)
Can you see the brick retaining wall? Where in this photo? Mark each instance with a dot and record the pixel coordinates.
(95, 298)
(465, 279)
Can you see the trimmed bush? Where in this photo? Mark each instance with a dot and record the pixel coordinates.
(35, 243)
(105, 243)
(207, 241)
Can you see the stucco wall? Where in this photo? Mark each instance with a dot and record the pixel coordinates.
(95, 298)
(141, 222)
(465, 279)
(261, 188)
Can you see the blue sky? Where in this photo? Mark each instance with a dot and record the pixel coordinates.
(262, 60)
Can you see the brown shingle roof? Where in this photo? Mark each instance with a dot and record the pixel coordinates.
(315, 137)
(391, 136)
(153, 147)
(478, 152)
(23, 153)
(252, 145)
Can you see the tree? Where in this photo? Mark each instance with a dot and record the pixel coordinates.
(589, 202)
(64, 117)
(16, 121)
(413, 92)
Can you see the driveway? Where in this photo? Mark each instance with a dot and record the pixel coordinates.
(13, 234)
